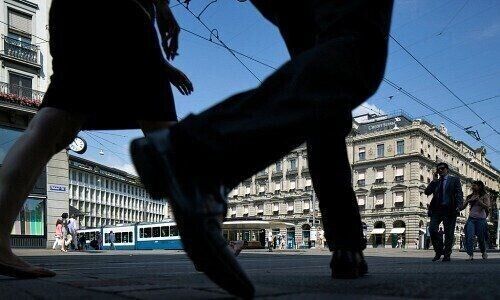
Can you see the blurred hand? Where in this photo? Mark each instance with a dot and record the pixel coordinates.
(168, 28)
(180, 81)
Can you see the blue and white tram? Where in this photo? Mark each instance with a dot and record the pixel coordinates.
(125, 237)
(90, 235)
(164, 235)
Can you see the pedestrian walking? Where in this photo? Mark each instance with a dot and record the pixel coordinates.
(73, 226)
(338, 53)
(112, 240)
(445, 205)
(270, 242)
(59, 240)
(111, 97)
(476, 225)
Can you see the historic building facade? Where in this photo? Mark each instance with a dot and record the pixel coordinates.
(392, 159)
(101, 196)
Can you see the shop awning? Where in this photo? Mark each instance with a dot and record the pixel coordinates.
(75, 211)
(398, 230)
(378, 230)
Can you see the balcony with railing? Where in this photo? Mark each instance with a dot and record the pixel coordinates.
(21, 51)
(20, 95)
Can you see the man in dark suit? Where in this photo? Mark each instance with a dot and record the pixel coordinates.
(338, 52)
(447, 199)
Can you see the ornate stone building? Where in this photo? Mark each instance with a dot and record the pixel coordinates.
(392, 159)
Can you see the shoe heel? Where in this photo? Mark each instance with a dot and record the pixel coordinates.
(147, 165)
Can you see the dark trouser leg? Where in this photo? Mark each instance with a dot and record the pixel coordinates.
(331, 175)
(449, 222)
(469, 236)
(436, 237)
(263, 124)
(480, 230)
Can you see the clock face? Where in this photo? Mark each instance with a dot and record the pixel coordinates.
(78, 145)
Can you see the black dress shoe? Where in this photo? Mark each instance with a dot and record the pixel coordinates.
(446, 258)
(347, 264)
(437, 257)
(197, 209)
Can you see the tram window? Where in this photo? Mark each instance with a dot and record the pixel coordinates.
(141, 232)
(118, 237)
(124, 237)
(174, 231)
(106, 238)
(164, 231)
(130, 237)
(147, 232)
(156, 231)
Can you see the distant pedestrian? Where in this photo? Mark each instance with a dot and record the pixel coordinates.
(400, 242)
(112, 240)
(445, 205)
(99, 241)
(270, 242)
(73, 226)
(476, 225)
(59, 236)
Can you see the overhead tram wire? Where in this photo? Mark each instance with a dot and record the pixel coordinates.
(102, 145)
(216, 35)
(460, 106)
(451, 121)
(443, 84)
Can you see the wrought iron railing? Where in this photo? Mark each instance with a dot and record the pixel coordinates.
(20, 95)
(20, 50)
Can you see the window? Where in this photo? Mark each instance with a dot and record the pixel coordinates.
(361, 200)
(398, 199)
(19, 23)
(260, 209)
(290, 208)
(278, 167)
(80, 177)
(174, 231)
(277, 187)
(380, 176)
(308, 184)
(245, 211)
(247, 190)
(31, 219)
(379, 199)
(147, 232)
(362, 153)
(293, 185)
(86, 178)
(399, 174)
(306, 206)
(156, 232)
(380, 150)
(262, 189)
(293, 164)
(7, 138)
(400, 147)
(276, 208)
(361, 178)
(20, 85)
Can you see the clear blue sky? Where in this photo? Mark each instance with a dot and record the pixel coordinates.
(458, 40)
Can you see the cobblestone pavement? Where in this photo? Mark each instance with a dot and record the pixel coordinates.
(278, 275)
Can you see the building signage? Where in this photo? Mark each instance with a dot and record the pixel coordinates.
(384, 125)
(58, 188)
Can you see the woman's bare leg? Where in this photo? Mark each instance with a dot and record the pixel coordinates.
(50, 131)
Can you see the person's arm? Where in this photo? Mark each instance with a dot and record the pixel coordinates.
(484, 202)
(466, 202)
(459, 195)
(431, 188)
(168, 27)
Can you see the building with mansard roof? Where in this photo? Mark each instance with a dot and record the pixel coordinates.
(392, 159)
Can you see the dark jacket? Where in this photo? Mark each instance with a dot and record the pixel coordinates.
(453, 190)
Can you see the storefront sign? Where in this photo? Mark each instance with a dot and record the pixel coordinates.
(58, 188)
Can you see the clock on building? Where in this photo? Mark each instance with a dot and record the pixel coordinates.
(78, 145)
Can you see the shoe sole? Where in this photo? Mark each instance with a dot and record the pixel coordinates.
(232, 278)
